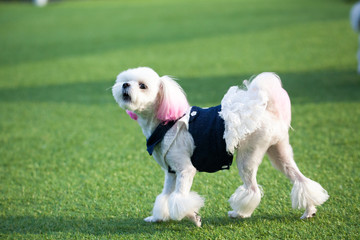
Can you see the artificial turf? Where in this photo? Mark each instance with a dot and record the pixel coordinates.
(74, 165)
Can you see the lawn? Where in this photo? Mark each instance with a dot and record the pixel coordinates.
(73, 165)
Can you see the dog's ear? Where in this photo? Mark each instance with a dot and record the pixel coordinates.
(173, 102)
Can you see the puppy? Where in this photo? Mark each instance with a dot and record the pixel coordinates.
(249, 123)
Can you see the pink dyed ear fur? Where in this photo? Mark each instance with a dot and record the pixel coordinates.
(173, 102)
(132, 115)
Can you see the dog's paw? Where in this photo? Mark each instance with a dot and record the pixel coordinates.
(152, 219)
(309, 213)
(233, 214)
(196, 219)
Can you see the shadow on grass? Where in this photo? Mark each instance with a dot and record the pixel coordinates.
(80, 93)
(96, 226)
(318, 86)
(304, 87)
(259, 218)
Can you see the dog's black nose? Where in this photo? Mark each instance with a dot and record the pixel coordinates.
(126, 85)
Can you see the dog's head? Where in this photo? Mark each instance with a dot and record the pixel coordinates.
(143, 92)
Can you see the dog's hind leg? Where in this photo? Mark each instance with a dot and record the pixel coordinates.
(306, 193)
(161, 208)
(182, 202)
(247, 197)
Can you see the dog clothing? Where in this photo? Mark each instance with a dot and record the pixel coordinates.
(207, 129)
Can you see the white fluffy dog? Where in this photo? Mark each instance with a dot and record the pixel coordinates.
(249, 123)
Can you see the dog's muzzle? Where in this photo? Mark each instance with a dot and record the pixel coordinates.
(125, 92)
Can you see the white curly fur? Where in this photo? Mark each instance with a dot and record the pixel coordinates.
(242, 112)
(257, 120)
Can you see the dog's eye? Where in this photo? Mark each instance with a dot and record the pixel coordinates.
(142, 86)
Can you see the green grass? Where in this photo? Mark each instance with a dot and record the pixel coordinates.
(73, 165)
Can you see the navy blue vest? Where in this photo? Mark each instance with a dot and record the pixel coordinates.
(207, 129)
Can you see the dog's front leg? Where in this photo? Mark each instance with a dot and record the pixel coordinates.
(182, 202)
(161, 208)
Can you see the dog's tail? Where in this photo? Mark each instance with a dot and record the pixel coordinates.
(278, 99)
(243, 109)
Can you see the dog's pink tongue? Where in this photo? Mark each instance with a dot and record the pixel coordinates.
(132, 115)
